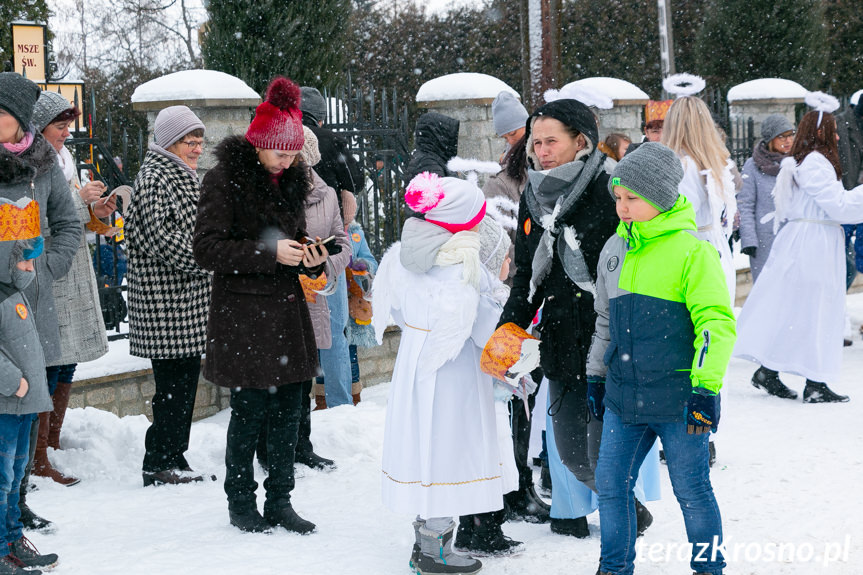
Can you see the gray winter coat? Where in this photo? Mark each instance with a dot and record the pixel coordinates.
(20, 350)
(323, 219)
(79, 314)
(754, 201)
(850, 148)
(35, 174)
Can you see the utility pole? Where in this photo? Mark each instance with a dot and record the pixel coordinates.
(666, 38)
(541, 40)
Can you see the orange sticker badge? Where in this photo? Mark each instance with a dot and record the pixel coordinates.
(356, 237)
(527, 227)
(22, 310)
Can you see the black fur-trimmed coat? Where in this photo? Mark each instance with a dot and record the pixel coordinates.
(35, 174)
(169, 293)
(260, 333)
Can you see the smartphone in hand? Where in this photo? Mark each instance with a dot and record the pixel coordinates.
(329, 243)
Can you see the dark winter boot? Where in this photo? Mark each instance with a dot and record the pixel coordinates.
(315, 461)
(817, 392)
(769, 381)
(464, 533)
(27, 554)
(643, 518)
(488, 538)
(545, 480)
(30, 520)
(573, 527)
(247, 518)
(526, 505)
(11, 565)
(436, 555)
(285, 516)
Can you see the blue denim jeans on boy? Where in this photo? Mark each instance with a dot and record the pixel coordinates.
(623, 448)
(14, 451)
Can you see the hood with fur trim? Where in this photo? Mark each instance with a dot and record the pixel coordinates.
(39, 158)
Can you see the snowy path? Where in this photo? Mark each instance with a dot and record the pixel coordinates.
(787, 474)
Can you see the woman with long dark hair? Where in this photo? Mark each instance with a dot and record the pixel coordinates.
(794, 317)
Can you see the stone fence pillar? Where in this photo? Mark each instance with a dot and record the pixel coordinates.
(223, 103)
(467, 97)
(761, 98)
(629, 101)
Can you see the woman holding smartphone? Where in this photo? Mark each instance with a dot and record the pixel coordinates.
(260, 341)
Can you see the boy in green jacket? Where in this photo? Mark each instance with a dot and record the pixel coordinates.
(664, 335)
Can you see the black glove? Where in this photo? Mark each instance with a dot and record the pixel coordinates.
(702, 414)
(749, 251)
(595, 396)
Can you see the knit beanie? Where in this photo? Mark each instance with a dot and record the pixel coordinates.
(349, 207)
(18, 95)
(310, 152)
(451, 203)
(313, 103)
(507, 114)
(494, 244)
(48, 106)
(278, 122)
(173, 123)
(571, 113)
(653, 172)
(774, 125)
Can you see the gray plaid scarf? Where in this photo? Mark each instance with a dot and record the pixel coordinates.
(551, 196)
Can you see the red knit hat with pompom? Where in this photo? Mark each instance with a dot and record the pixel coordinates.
(278, 123)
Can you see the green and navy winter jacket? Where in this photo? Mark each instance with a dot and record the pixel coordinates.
(664, 319)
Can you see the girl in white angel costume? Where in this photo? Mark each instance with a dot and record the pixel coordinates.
(793, 319)
(708, 180)
(441, 456)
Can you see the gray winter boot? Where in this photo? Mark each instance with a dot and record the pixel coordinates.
(415, 552)
(436, 554)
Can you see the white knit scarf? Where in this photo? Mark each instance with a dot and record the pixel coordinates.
(462, 248)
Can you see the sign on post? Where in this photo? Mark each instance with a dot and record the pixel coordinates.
(29, 54)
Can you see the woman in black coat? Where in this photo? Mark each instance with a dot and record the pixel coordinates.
(556, 265)
(260, 341)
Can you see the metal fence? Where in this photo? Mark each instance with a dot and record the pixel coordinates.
(375, 124)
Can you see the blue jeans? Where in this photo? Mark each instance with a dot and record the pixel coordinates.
(623, 448)
(14, 452)
(336, 362)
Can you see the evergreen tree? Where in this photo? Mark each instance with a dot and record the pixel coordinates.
(616, 38)
(744, 40)
(844, 19)
(687, 18)
(12, 10)
(258, 39)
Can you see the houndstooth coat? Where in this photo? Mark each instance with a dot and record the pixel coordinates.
(169, 294)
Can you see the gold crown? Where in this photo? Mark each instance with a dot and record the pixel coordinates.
(19, 223)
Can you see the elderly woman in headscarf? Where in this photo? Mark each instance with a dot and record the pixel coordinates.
(82, 330)
(169, 293)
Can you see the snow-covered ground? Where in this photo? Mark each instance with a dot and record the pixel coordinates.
(786, 478)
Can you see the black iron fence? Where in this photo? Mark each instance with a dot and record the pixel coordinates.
(376, 125)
